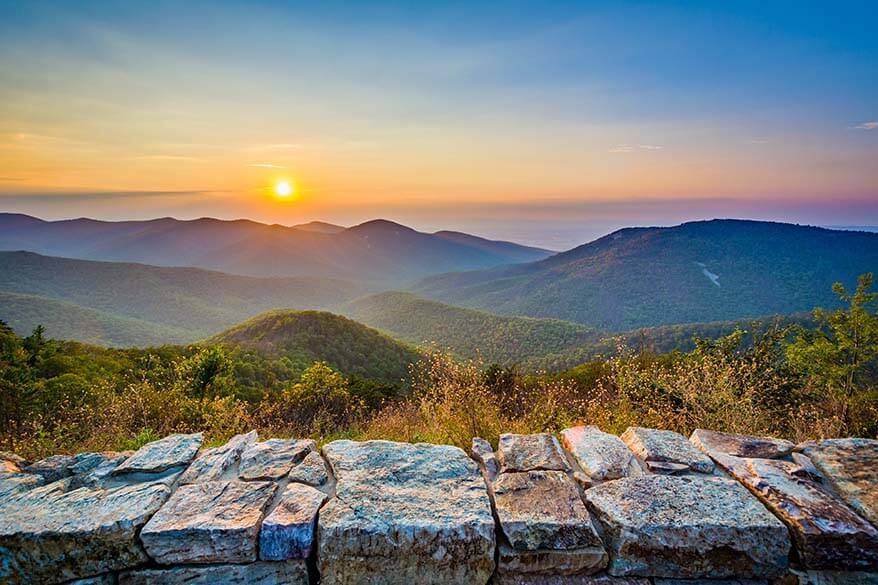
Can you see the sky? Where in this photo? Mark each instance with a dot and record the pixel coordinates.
(548, 123)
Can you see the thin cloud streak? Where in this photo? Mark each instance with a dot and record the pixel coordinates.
(867, 126)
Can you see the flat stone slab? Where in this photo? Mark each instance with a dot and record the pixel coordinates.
(214, 463)
(540, 451)
(740, 445)
(48, 534)
(543, 510)
(851, 467)
(166, 453)
(52, 468)
(827, 533)
(274, 458)
(687, 527)
(286, 573)
(288, 531)
(210, 522)
(11, 463)
(601, 456)
(405, 514)
(311, 471)
(653, 445)
(483, 454)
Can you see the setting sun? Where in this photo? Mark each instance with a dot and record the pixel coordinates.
(283, 189)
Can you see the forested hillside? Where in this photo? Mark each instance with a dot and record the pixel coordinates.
(468, 333)
(303, 337)
(696, 272)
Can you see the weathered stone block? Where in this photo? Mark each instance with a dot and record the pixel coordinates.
(311, 471)
(685, 527)
(601, 455)
(540, 451)
(11, 463)
(542, 510)
(851, 467)
(653, 445)
(740, 445)
(405, 515)
(288, 530)
(210, 522)
(483, 454)
(273, 459)
(259, 573)
(828, 534)
(164, 454)
(213, 464)
(50, 535)
(53, 468)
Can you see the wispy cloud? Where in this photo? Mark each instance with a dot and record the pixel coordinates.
(866, 126)
(170, 158)
(267, 166)
(634, 147)
(759, 141)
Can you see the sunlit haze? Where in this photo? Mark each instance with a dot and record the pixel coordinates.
(545, 123)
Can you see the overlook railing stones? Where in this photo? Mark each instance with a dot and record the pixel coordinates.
(647, 508)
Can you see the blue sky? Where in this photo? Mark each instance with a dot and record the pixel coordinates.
(547, 122)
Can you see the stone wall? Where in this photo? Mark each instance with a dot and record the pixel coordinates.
(583, 508)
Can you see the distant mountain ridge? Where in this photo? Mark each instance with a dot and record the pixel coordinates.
(194, 303)
(707, 271)
(375, 251)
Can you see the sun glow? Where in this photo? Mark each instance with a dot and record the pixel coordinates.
(283, 189)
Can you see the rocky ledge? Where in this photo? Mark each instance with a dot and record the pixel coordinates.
(649, 507)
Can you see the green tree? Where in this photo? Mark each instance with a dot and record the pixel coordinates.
(207, 374)
(840, 353)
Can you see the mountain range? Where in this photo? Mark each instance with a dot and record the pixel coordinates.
(696, 272)
(378, 251)
(653, 286)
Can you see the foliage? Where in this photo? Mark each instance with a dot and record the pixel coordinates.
(782, 380)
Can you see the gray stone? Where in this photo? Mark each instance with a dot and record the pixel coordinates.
(311, 471)
(665, 468)
(582, 561)
(20, 482)
(49, 534)
(164, 454)
(543, 510)
(851, 467)
(86, 462)
(666, 447)
(808, 468)
(540, 451)
(259, 573)
(52, 468)
(405, 515)
(288, 531)
(827, 534)
(213, 464)
(834, 578)
(483, 454)
(740, 445)
(273, 459)
(687, 527)
(524, 579)
(210, 522)
(600, 455)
